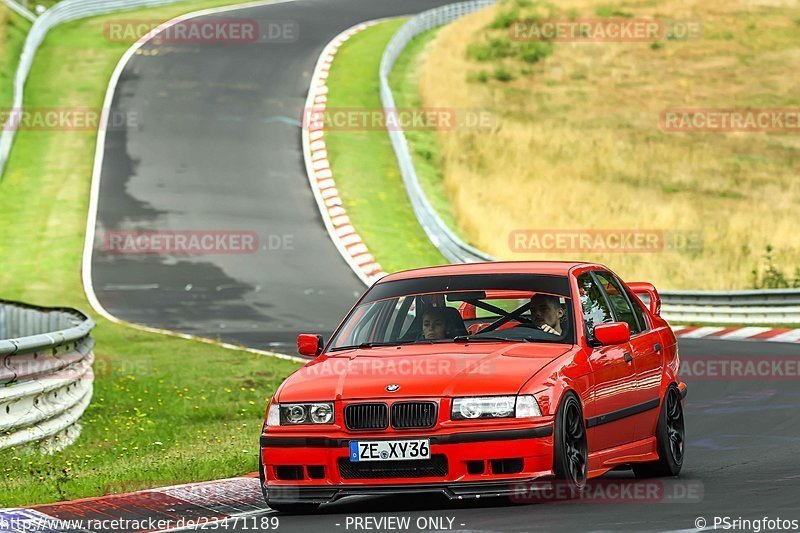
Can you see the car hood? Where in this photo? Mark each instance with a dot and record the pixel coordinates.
(439, 370)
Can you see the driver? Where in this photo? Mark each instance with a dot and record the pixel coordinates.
(546, 313)
(434, 324)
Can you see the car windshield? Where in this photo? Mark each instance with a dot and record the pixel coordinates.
(465, 308)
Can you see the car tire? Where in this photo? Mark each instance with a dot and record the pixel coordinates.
(671, 436)
(570, 448)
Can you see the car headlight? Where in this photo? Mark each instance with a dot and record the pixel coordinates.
(527, 407)
(474, 407)
(274, 415)
(292, 414)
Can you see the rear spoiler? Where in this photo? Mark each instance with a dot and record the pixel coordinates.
(648, 294)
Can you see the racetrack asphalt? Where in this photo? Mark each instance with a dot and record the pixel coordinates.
(212, 142)
(216, 146)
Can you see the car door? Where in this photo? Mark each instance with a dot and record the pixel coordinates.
(646, 351)
(613, 378)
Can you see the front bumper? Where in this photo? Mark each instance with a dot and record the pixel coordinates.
(531, 448)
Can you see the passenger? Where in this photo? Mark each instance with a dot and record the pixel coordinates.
(546, 313)
(434, 324)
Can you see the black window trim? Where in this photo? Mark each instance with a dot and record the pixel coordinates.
(646, 327)
(625, 294)
(590, 334)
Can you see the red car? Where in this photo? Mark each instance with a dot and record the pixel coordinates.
(486, 379)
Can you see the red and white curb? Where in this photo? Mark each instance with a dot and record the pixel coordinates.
(181, 507)
(347, 240)
(737, 334)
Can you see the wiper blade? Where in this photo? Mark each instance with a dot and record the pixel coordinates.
(471, 338)
(387, 343)
(384, 344)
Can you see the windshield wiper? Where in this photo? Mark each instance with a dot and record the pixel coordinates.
(372, 345)
(470, 338)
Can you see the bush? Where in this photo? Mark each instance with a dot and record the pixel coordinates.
(772, 277)
(504, 19)
(494, 48)
(534, 51)
(605, 11)
(501, 73)
(481, 76)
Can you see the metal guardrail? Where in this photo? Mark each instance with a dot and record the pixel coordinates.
(20, 10)
(46, 374)
(734, 307)
(449, 244)
(62, 12)
(776, 306)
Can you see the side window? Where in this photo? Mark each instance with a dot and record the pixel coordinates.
(619, 301)
(637, 310)
(595, 308)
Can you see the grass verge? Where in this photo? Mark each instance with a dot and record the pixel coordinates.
(364, 164)
(154, 419)
(578, 143)
(422, 143)
(13, 30)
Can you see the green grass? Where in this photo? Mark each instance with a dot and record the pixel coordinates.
(364, 164)
(12, 36)
(154, 419)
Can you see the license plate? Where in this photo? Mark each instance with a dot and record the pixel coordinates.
(390, 450)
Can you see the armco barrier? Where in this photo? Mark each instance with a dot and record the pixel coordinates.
(451, 246)
(46, 372)
(779, 306)
(62, 12)
(717, 307)
(20, 10)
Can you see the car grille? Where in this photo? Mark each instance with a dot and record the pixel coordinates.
(413, 415)
(366, 416)
(436, 466)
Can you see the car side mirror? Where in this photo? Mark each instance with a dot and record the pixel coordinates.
(648, 294)
(612, 333)
(309, 345)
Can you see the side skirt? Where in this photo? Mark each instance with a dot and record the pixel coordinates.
(641, 451)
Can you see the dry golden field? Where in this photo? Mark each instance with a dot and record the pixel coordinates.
(577, 144)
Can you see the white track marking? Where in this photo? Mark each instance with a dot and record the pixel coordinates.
(787, 336)
(742, 333)
(701, 332)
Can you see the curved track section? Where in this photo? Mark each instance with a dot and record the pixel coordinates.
(216, 146)
(213, 146)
